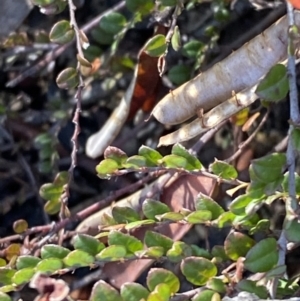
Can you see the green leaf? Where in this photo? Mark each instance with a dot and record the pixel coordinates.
(217, 285)
(88, 244)
(4, 297)
(274, 86)
(152, 156)
(179, 251)
(49, 265)
(160, 293)
(262, 257)
(225, 219)
(113, 23)
(198, 270)
(152, 252)
(292, 229)
(157, 276)
(135, 162)
(6, 275)
(199, 217)
(78, 258)
(52, 250)
(200, 252)
(266, 172)
(27, 261)
(176, 39)
(223, 170)
(144, 7)
(107, 167)
(131, 291)
(138, 224)
(219, 252)
(179, 74)
(67, 79)
(112, 253)
(102, 291)
(237, 245)
(262, 225)
(23, 276)
(151, 208)
(173, 161)
(154, 239)
(171, 216)
(131, 243)
(192, 162)
(206, 295)
(116, 155)
(192, 49)
(285, 183)
(52, 207)
(123, 215)
(102, 37)
(62, 32)
(156, 46)
(252, 287)
(204, 202)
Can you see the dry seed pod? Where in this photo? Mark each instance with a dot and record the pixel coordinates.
(239, 71)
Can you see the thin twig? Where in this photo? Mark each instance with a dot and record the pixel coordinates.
(98, 205)
(291, 203)
(249, 139)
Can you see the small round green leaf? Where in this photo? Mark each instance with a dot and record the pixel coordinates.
(6, 275)
(251, 287)
(23, 276)
(176, 39)
(124, 215)
(198, 270)
(107, 167)
(49, 265)
(192, 162)
(5, 297)
(102, 291)
(62, 32)
(179, 74)
(199, 217)
(143, 7)
(223, 170)
(160, 293)
(113, 23)
(156, 46)
(157, 276)
(292, 230)
(27, 261)
(274, 86)
(179, 251)
(152, 156)
(138, 224)
(192, 49)
(151, 208)
(206, 295)
(237, 245)
(173, 161)
(55, 251)
(78, 258)
(132, 291)
(112, 253)
(204, 202)
(263, 256)
(131, 243)
(88, 244)
(68, 78)
(154, 239)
